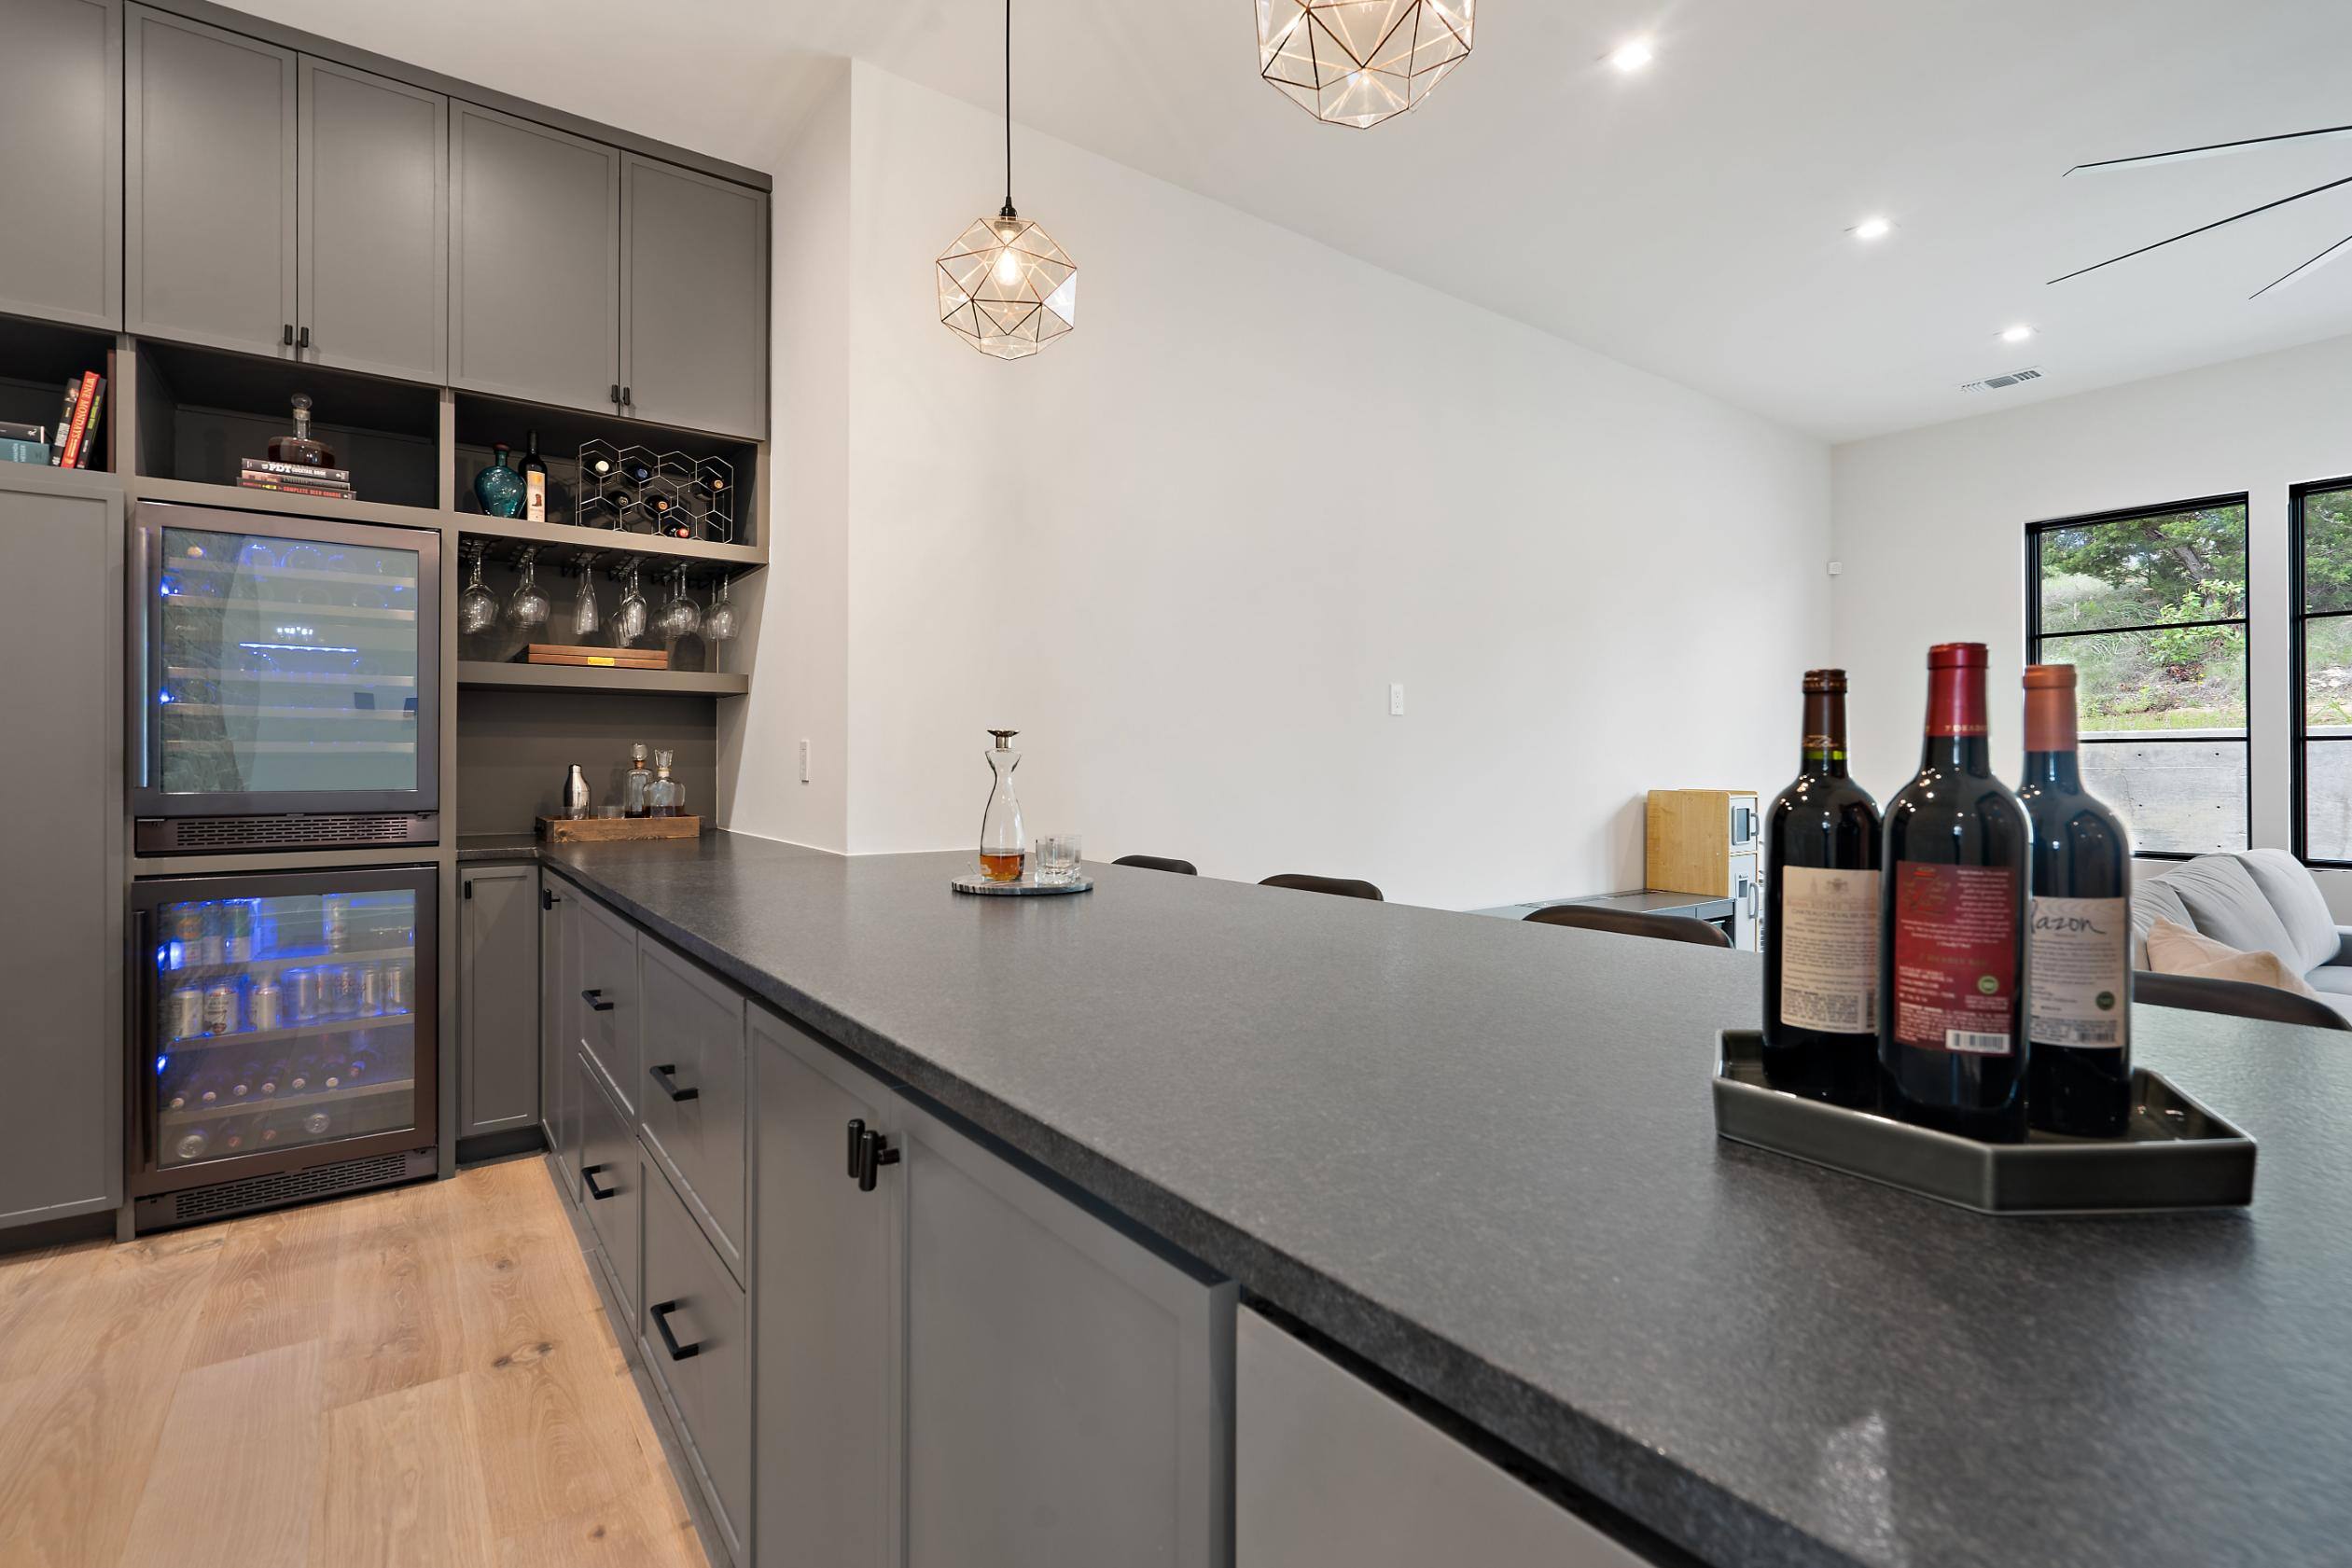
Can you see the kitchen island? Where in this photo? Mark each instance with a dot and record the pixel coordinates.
(1479, 1157)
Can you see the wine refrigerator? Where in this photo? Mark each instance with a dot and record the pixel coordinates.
(284, 1041)
(286, 674)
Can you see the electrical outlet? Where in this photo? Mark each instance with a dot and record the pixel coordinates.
(804, 761)
(1395, 698)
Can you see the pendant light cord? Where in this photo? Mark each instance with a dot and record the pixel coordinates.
(1008, 212)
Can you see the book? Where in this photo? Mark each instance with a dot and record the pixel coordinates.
(253, 478)
(83, 397)
(66, 420)
(89, 427)
(286, 487)
(23, 451)
(296, 470)
(13, 432)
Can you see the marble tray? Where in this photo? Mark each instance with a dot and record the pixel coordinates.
(972, 881)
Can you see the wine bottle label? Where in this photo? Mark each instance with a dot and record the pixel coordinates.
(1955, 957)
(534, 498)
(2081, 950)
(1828, 950)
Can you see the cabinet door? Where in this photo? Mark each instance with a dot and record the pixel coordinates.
(611, 1171)
(498, 981)
(61, 184)
(606, 947)
(1069, 1391)
(827, 1265)
(697, 1339)
(208, 185)
(693, 299)
(374, 253)
(694, 1094)
(61, 927)
(555, 1047)
(535, 261)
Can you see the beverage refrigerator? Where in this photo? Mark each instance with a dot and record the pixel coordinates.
(286, 674)
(284, 1038)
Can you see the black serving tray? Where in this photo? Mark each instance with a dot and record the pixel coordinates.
(2175, 1154)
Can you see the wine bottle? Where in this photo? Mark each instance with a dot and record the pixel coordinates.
(1952, 951)
(2078, 1075)
(1821, 846)
(534, 480)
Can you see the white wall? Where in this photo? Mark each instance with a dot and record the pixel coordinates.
(1930, 525)
(1186, 550)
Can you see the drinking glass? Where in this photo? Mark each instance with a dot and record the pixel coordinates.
(477, 608)
(629, 622)
(586, 617)
(529, 606)
(1057, 858)
(718, 621)
(681, 617)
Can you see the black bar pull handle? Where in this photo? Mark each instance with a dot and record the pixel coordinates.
(145, 1045)
(878, 1153)
(587, 1174)
(289, 334)
(548, 900)
(667, 1077)
(593, 996)
(856, 1147)
(661, 1316)
(305, 339)
(616, 395)
(627, 396)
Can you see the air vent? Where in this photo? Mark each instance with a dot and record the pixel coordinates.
(290, 1187)
(196, 835)
(1994, 384)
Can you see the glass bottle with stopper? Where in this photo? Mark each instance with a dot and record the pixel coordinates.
(666, 797)
(1003, 847)
(301, 448)
(636, 786)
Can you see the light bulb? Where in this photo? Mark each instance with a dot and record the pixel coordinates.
(1007, 268)
(2016, 334)
(1632, 57)
(1872, 228)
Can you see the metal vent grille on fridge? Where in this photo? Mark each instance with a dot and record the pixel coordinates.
(1994, 384)
(289, 1186)
(197, 835)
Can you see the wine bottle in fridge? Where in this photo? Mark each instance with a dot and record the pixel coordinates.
(1953, 955)
(1821, 848)
(2078, 1074)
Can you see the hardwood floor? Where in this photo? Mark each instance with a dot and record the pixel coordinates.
(414, 1379)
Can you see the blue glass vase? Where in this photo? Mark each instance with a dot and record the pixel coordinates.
(500, 487)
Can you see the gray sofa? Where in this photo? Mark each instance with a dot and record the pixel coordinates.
(2254, 900)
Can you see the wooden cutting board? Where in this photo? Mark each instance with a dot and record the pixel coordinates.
(605, 830)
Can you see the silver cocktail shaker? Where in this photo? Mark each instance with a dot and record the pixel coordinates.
(576, 793)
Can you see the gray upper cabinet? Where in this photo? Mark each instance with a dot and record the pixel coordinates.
(535, 261)
(209, 202)
(693, 288)
(61, 185)
(61, 932)
(374, 251)
(498, 999)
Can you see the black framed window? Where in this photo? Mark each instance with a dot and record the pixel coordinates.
(2149, 607)
(2322, 516)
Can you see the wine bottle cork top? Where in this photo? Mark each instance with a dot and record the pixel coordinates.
(1957, 656)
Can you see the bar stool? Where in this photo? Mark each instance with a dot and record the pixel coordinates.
(1156, 863)
(1339, 887)
(2234, 998)
(1670, 928)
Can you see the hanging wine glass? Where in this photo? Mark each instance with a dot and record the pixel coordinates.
(718, 621)
(585, 615)
(477, 608)
(529, 607)
(629, 622)
(681, 617)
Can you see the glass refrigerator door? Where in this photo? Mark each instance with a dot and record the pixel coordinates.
(289, 667)
(282, 1021)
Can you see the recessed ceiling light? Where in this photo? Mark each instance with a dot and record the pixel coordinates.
(2016, 334)
(1633, 56)
(1872, 228)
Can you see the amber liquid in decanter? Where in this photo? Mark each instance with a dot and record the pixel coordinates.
(302, 449)
(1002, 867)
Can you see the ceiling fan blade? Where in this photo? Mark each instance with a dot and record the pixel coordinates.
(2206, 228)
(2213, 149)
(2311, 266)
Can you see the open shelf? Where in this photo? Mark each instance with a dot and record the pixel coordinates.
(35, 359)
(482, 422)
(506, 538)
(588, 677)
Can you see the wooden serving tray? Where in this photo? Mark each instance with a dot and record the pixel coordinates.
(605, 830)
(602, 659)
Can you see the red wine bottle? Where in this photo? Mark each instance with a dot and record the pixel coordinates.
(2079, 1073)
(1821, 845)
(1952, 955)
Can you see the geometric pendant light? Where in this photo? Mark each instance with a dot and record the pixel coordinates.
(1360, 62)
(1004, 286)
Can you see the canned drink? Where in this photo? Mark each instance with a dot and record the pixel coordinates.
(211, 946)
(268, 1005)
(369, 988)
(186, 1014)
(237, 931)
(399, 984)
(335, 920)
(187, 934)
(342, 984)
(220, 1008)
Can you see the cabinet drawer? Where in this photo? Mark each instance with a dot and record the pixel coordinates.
(611, 1173)
(692, 1094)
(607, 993)
(697, 1339)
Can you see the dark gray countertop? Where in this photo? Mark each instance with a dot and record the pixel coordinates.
(1482, 1154)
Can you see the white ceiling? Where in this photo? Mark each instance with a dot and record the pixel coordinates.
(1689, 220)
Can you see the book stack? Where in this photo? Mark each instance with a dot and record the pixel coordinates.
(293, 478)
(23, 443)
(76, 440)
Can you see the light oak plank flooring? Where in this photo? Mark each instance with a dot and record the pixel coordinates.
(414, 1379)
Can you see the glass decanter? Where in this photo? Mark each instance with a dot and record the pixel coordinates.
(301, 448)
(1003, 847)
(667, 797)
(636, 786)
(477, 608)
